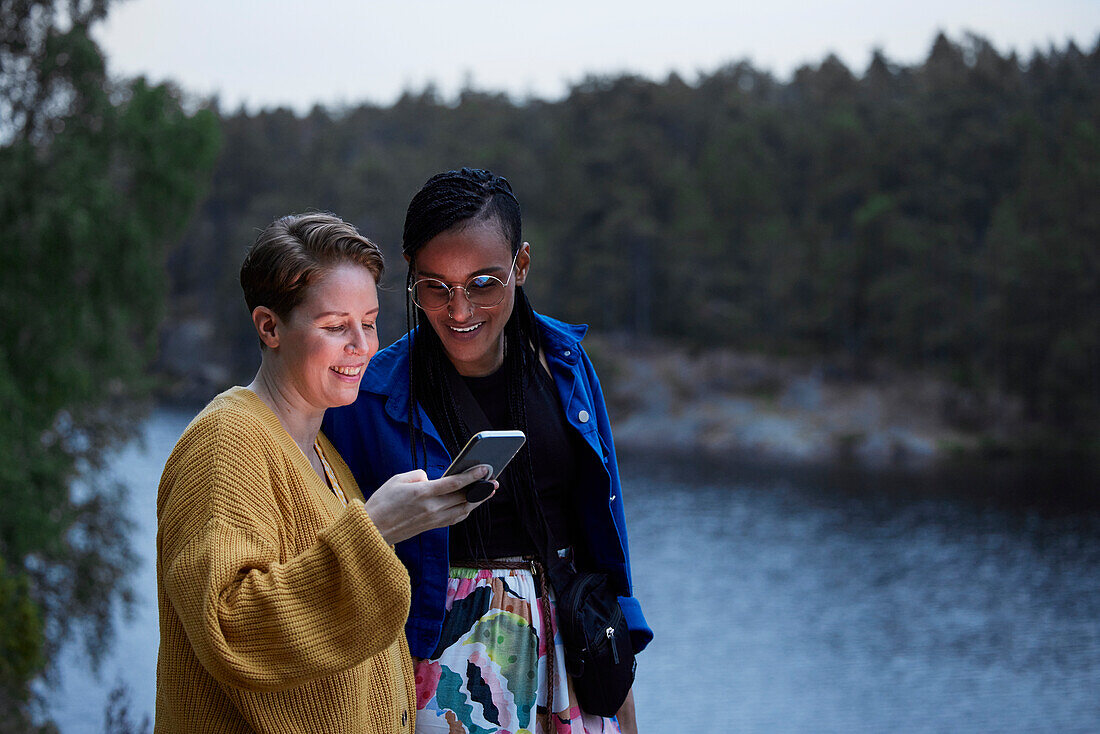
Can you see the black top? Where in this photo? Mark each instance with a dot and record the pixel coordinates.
(508, 524)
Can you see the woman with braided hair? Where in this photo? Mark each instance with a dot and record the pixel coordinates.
(482, 632)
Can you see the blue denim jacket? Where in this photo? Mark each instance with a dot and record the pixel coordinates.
(372, 436)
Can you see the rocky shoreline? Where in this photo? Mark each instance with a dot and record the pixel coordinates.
(721, 403)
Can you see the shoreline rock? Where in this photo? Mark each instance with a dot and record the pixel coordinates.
(792, 410)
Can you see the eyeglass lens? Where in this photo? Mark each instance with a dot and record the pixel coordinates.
(481, 290)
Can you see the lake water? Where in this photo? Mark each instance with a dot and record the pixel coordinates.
(788, 603)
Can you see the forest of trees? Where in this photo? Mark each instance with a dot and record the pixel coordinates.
(96, 179)
(940, 216)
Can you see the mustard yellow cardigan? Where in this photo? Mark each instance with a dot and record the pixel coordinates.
(280, 609)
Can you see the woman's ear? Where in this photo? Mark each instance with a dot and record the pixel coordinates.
(267, 326)
(523, 263)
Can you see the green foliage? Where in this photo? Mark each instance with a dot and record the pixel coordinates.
(20, 631)
(97, 178)
(940, 215)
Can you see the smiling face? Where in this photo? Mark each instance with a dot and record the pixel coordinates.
(472, 337)
(327, 340)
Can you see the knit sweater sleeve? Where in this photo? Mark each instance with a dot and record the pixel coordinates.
(256, 620)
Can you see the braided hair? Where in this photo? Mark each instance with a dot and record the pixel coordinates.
(445, 202)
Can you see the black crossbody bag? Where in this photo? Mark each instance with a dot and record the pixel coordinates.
(599, 655)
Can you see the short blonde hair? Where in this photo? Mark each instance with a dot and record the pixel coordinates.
(293, 251)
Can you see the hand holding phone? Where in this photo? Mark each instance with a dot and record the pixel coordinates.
(495, 448)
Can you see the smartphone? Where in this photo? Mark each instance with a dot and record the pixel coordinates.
(495, 448)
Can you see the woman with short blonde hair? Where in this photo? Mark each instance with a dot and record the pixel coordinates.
(282, 603)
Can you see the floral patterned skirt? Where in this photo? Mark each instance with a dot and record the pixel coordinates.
(488, 674)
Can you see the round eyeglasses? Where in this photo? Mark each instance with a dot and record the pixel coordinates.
(482, 291)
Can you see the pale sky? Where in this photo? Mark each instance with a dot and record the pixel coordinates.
(267, 53)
